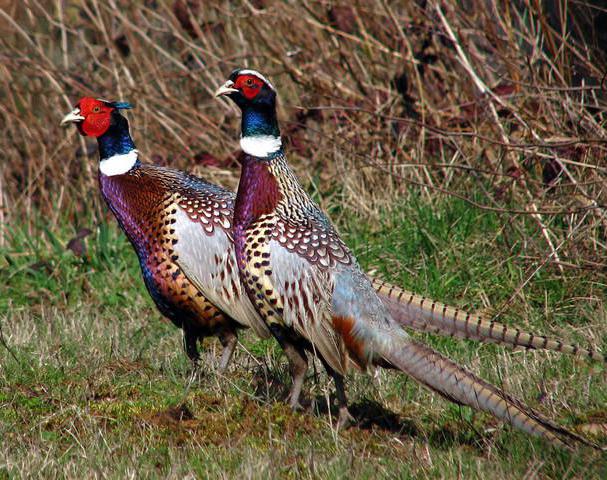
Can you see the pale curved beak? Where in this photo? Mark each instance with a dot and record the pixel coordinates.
(226, 89)
(72, 117)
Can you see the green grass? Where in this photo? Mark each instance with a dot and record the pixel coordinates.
(98, 384)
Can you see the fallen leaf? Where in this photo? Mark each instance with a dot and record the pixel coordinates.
(76, 244)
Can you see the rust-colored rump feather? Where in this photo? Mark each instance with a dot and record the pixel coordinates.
(344, 327)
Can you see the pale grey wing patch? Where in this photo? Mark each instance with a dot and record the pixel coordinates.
(354, 297)
(209, 262)
(305, 292)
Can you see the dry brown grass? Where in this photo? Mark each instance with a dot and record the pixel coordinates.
(500, 103)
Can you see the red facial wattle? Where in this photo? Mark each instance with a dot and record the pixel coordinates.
(249, 86)
(95, 125)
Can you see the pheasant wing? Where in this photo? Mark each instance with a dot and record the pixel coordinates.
(210, 264)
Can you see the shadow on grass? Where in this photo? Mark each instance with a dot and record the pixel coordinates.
(369, 415)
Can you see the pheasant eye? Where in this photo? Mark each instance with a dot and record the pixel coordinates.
(249, 82)
(96, 109)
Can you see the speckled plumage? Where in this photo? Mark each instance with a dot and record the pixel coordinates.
(146, 201)
(287, 293)
(298, 271)
(166, 214)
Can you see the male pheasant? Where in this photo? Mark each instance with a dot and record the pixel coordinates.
(160, 209)
(309, 289)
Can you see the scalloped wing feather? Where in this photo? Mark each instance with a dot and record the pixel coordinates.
(210, 264)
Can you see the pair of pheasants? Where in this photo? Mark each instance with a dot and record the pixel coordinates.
(270, 260)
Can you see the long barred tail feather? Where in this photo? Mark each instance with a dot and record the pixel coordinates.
(457, 384)
(423, 314)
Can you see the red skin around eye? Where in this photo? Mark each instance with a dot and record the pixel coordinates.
(249, 85)
(96, 117)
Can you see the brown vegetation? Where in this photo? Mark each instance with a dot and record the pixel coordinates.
(501, 103)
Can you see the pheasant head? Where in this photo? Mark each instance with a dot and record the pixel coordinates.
(102, 119)
(256, 98)
(92, 116)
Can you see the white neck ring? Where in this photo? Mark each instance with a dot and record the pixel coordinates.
(118, 164)
(260, 145)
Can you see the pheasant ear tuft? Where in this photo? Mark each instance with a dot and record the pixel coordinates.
(121, 105)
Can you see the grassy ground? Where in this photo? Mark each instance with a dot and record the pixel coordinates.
(95, 383)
